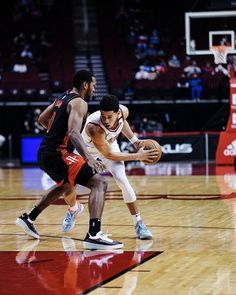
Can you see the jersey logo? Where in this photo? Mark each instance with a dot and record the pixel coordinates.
(71, 160)
(58, 103)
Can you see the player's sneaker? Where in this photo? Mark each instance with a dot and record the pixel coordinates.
(27, 226)
(69, 220)
(100, 242)
(142, 232)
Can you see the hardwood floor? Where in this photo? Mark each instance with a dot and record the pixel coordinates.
(192, 218)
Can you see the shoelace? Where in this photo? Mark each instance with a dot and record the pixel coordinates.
(69, 216)
(106, 235)
(142, 226)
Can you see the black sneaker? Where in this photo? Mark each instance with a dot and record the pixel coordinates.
(27, 226)
(100, 242)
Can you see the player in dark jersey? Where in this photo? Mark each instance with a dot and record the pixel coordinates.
(63, 120)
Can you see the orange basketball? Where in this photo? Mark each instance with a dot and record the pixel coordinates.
(152, 144)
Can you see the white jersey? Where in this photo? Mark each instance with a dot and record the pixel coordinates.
(116, 168)
(111, 135)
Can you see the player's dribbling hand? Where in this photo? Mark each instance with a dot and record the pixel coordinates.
(139, 144)
(147, 155)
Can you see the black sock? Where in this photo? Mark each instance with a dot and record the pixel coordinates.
(34, 213)
(94, 226)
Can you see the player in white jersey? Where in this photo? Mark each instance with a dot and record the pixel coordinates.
(100, 135)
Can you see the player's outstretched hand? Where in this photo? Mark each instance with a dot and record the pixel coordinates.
(96, 165)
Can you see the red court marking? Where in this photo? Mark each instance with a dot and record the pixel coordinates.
(117, 197)
(64, 273)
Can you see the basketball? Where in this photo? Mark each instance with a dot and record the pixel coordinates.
(152, 144)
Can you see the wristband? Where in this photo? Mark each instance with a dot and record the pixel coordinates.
(133, 139)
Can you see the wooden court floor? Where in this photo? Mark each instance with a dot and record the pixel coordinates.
(192, 216)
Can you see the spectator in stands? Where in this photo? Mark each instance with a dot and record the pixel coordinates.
(161, 52)
(151, 51)
(128, 90)
(220, 69)
(174, 62)
(26, 52)
(208, 68)
(142, 43)
(144, 124)
(131, 38)
(224, 41)
(142, 73)
(31, 123)
(183, 82)
(152, 73)
(193, 45)
(160, 67)
(20, 66)
(44, 40)
(19, 39)
(187, 61)
(182, 87)
(154, 38)
(192, 69)
(150, 125)
(34, 44)
(196, 87)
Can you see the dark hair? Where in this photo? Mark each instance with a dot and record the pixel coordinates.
(80, 77)
(109, 103)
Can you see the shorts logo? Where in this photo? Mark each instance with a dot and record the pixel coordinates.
(231, 149)
(71, 160)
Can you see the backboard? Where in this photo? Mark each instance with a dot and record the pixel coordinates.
(209, 28)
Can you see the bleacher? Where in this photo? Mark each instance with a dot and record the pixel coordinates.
(121, 27)
(46, 29)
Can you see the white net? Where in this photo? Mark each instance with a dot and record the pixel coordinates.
(220, 53)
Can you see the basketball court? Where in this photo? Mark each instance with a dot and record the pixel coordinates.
(190, 210)
(189, 207)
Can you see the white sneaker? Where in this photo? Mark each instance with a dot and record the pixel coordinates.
(69, 220)
(142, 232)
(100, 242)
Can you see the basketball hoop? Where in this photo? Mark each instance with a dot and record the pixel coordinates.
(220, 53)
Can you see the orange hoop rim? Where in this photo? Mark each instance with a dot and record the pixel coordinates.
(220, 48)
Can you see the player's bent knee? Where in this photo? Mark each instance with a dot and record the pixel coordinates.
(67, 189)
(97, 182)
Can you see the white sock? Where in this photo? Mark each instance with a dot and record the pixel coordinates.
(136, 218)
(74, 208)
